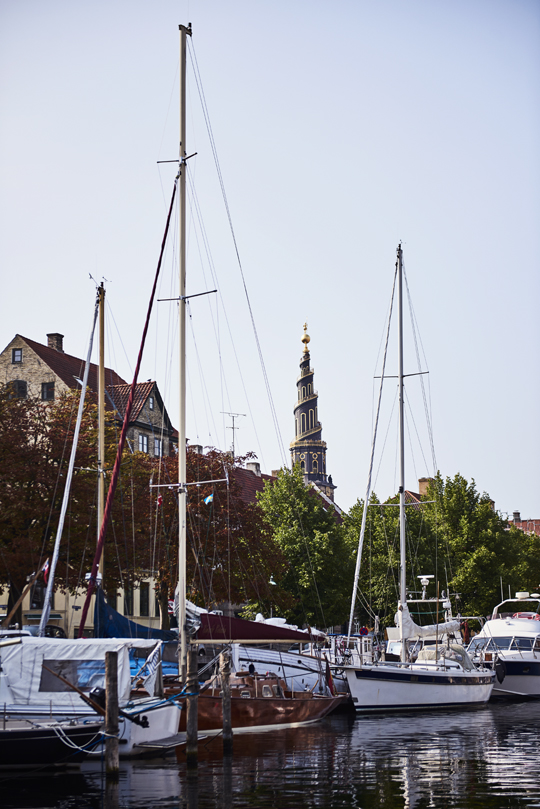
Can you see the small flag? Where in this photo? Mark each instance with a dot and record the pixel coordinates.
(160, 500)
(208, 499)
(45, 570)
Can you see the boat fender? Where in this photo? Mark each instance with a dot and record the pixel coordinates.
(500, 670)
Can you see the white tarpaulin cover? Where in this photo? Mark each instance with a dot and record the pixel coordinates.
(80, 661)
(411, 630)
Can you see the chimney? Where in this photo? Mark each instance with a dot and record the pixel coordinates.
(423, 484)
(196, 448)
(517, 516)
(255, 467)
(56, 341)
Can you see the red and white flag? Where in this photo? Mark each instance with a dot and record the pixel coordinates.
(45, 570)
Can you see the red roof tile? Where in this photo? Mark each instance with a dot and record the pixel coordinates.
(68, 367)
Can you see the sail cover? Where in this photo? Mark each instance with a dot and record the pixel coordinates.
(411, 630)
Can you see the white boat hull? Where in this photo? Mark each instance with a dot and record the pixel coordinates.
(162, 723)
(414, 687)
(522, 678)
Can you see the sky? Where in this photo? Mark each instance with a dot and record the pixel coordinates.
(341, 129)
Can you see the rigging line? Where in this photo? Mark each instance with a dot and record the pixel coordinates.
(229, 329)
(123, 434)
(417, 434)
(229, 217)
(202, 380)
(368, 487)
(196, 207)
(386, 436)
(414, 330)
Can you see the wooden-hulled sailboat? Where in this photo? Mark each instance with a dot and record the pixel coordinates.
(437, 679)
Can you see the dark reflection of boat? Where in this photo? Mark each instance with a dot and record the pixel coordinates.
(25, 744)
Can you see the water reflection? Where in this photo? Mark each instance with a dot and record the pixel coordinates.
(462, 760)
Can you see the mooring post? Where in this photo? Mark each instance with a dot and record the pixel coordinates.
(192, 707)
(112, 763)
(225, 673)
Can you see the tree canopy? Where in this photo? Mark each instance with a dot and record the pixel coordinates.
(454, 535)
(319, 568)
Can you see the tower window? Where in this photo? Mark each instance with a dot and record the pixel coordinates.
(309, 389)
(303, 466)
(303, 392)
(314, 466)
(303, 422)
(311, 419)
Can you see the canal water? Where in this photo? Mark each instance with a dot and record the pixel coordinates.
(488, 758)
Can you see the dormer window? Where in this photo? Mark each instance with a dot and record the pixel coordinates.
(16, 355)
(151, 402)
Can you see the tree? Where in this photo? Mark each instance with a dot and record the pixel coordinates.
(456, 536)
(319, 566)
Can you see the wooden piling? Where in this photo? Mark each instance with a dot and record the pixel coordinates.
(225, 673)
(192, 707)
(112, 762)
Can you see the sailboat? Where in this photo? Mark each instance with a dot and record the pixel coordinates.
(440, 677)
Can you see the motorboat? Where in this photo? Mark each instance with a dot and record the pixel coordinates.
(510, 644)
(26, 744)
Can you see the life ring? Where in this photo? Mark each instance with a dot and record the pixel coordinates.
(364, 631)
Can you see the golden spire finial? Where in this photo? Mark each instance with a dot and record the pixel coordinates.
(305, 339)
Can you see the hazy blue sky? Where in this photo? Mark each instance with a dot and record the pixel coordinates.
(342, 128)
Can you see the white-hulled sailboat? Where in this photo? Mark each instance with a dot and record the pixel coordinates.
(440, 677)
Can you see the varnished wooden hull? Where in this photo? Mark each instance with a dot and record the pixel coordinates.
(261, 713)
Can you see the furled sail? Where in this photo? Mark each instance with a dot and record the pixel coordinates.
(409, 629)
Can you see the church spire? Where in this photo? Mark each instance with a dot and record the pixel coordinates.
(308, 450)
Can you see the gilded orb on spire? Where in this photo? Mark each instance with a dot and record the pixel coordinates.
(305, 339)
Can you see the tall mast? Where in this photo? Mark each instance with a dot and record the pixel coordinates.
(402, 548)
(182, 493)
(101, 417)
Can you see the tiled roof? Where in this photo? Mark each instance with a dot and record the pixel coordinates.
(120, 395)
(249, 483)
(67, 367)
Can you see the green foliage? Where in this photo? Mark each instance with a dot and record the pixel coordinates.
(456, 536)
(320, 566)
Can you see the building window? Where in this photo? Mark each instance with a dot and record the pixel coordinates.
(128, 601)
(314, 466)
(112, 599)
(144, 599)
(151, 402)
(157, 612)
(37, 596)
(303, 466)
(18, 389)
(47, 391)
(16, 355)
(143, 443)
(158, 448)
